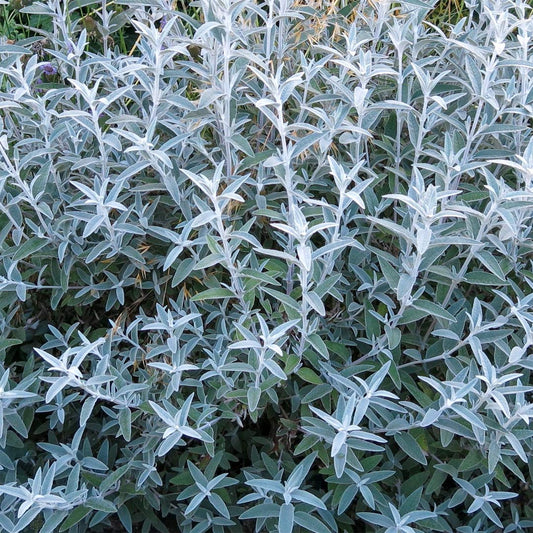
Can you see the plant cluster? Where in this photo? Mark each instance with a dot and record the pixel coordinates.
(270, 272)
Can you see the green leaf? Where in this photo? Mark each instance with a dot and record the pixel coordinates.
(390, 273)
(310, 523)
(7, 343)
(286, 518)
(410, 446)
(87, 409)
(316, 393)
(184, 268)
(305, 444)
(213, 294)
(347, 498)
(394, 336)
(16, 422)
(242, 144)
(209, 261)
(113, 478)
(318, 345)
(435, 483)
(259, 276)
(304, 143)
(469, 416)
(52, 522)
(412, 315)
(252, 161)
(79, 513)
(125, 518)
(29, 247)
(291, 362)
(433, 309)
(316, 303)
(124, 421)
(283, 298)
(446, 333)
(419, 3)
(309, 375)
(132, 253)
(478, 277)
(394, 374)
(100, 504)
(470, 462)
(376, 519)
(263, 510)
(394, 228)
(373, 326)
(327, 285)
(253, 395)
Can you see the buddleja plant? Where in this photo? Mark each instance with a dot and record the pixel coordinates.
(270, 271)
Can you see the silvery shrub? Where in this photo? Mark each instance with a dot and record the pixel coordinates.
(269, 271)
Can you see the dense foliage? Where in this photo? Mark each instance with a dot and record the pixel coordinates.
(270, 270)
